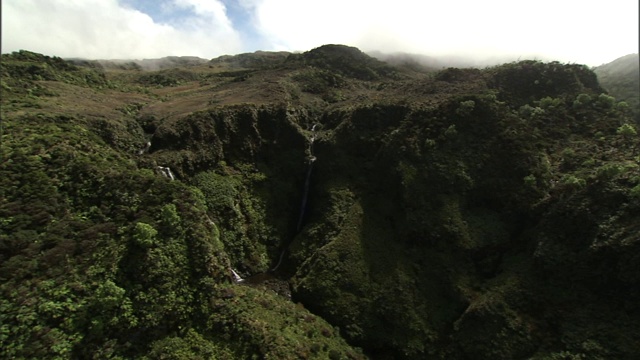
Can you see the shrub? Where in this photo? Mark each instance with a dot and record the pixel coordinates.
(609, 171)
(581, 100)
(144, 235)
(466, 108)
(573, 182)
(606, 101)
(623, 106)
(451, 131)
(530, 180)
(627, 131)
(530, 112)
(550, 103)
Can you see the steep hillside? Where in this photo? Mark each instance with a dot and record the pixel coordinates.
(316, 205)
(621, 78)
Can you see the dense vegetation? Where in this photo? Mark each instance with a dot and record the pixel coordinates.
(465, 213)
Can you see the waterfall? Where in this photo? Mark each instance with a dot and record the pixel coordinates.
(305, 192)
(145, 149)
(236, 278)
(166, 172)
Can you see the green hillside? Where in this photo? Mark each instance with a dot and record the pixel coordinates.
(621, 78)
(372, 211)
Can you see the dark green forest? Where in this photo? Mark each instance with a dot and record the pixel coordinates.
(320, 205)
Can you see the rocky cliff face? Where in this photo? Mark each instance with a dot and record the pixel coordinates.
(488, 214)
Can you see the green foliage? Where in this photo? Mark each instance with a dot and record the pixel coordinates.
(268, 327)
(23, 69)
(451, 131)
(528, 81)
(466, 108)
(169, 77)
(317, 81)
(573, 182)
(131, 109)
(621, 78)
(627, 131)
(550, 103)
(220, 192)
(454, 75)
(605, 101)
(239, 217)
(530, 180)
(170, 221)
(623, 106)
(609, 171)
(73, 284)
(439, 221)
(144, 235)
(582, 100)
(191, 345)
(529, 112)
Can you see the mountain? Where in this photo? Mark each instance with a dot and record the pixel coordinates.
(168, 62)
(316, 205)
(422, 62)
(621, 78)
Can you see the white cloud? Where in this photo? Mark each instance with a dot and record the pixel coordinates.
(565, 30)
(105, 29)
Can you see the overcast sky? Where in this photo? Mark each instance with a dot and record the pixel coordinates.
(576, 31)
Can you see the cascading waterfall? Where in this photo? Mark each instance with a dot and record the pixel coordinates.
(305, 192)
(236, 278)
(166, 172)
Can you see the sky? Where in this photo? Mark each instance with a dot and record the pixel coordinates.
(488, 31)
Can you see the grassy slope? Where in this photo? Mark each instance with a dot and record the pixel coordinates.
(462, 213)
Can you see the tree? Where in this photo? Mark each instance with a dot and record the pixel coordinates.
(628, 132)
(144, 235)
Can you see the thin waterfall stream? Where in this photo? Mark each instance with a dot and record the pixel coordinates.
(270, 279)
(305, 192)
